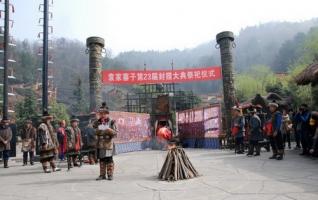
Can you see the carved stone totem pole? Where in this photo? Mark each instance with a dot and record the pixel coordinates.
(225, 41)
(95, 47)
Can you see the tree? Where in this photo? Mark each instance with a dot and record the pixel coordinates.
(289, 52)
(304, 94)
(310, 54)
(275, 88)
(27, 109)
(254, 81)
(79, 105)
(59, 111)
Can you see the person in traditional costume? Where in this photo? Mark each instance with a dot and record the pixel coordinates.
(89, 140)
(28, 136)
(74, 142)
(5, 139)
(238, 129)
(255, 134)
(106, 130)
(47, 143)
(62, 138)
(276, 137)
(286, 128)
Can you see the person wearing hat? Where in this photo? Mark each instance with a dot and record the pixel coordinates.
(47, 143)
(5, 139)
(74, 142)
(28, 136)
(276, 137)
(255, 133)
(238, 130)
(89, 139)
(105, 130)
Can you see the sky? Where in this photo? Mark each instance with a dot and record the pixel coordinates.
(154, 24)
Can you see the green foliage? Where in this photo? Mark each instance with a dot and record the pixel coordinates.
(314, 92)
(27, 62)
(310, 47)
(59, 111)
(304, 94)
(300, 94)
(27, 109)
(289, 53)
(279, 89)
(253, 82)
(294, 55)
(246, 87)
(260, 44)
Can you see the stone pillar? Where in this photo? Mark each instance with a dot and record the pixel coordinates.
(225, 42)
(95, 47)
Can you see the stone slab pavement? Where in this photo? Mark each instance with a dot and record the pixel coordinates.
(223, 176)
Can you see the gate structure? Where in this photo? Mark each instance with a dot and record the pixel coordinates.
(158, 96)
(161, 101)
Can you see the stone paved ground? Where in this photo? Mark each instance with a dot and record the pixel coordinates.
(224, 176)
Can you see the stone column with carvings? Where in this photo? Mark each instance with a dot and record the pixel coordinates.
(95, 47)
(225, 41)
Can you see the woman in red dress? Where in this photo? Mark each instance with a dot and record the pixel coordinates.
(61, 134)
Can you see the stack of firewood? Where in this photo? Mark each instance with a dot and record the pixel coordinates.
(177, 166)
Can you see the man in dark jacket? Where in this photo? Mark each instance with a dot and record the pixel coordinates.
(276, 138)
(255, 134)
(5, 139)
(303, 117)
(89, 140)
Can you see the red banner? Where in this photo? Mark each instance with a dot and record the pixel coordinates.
(160, 76)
